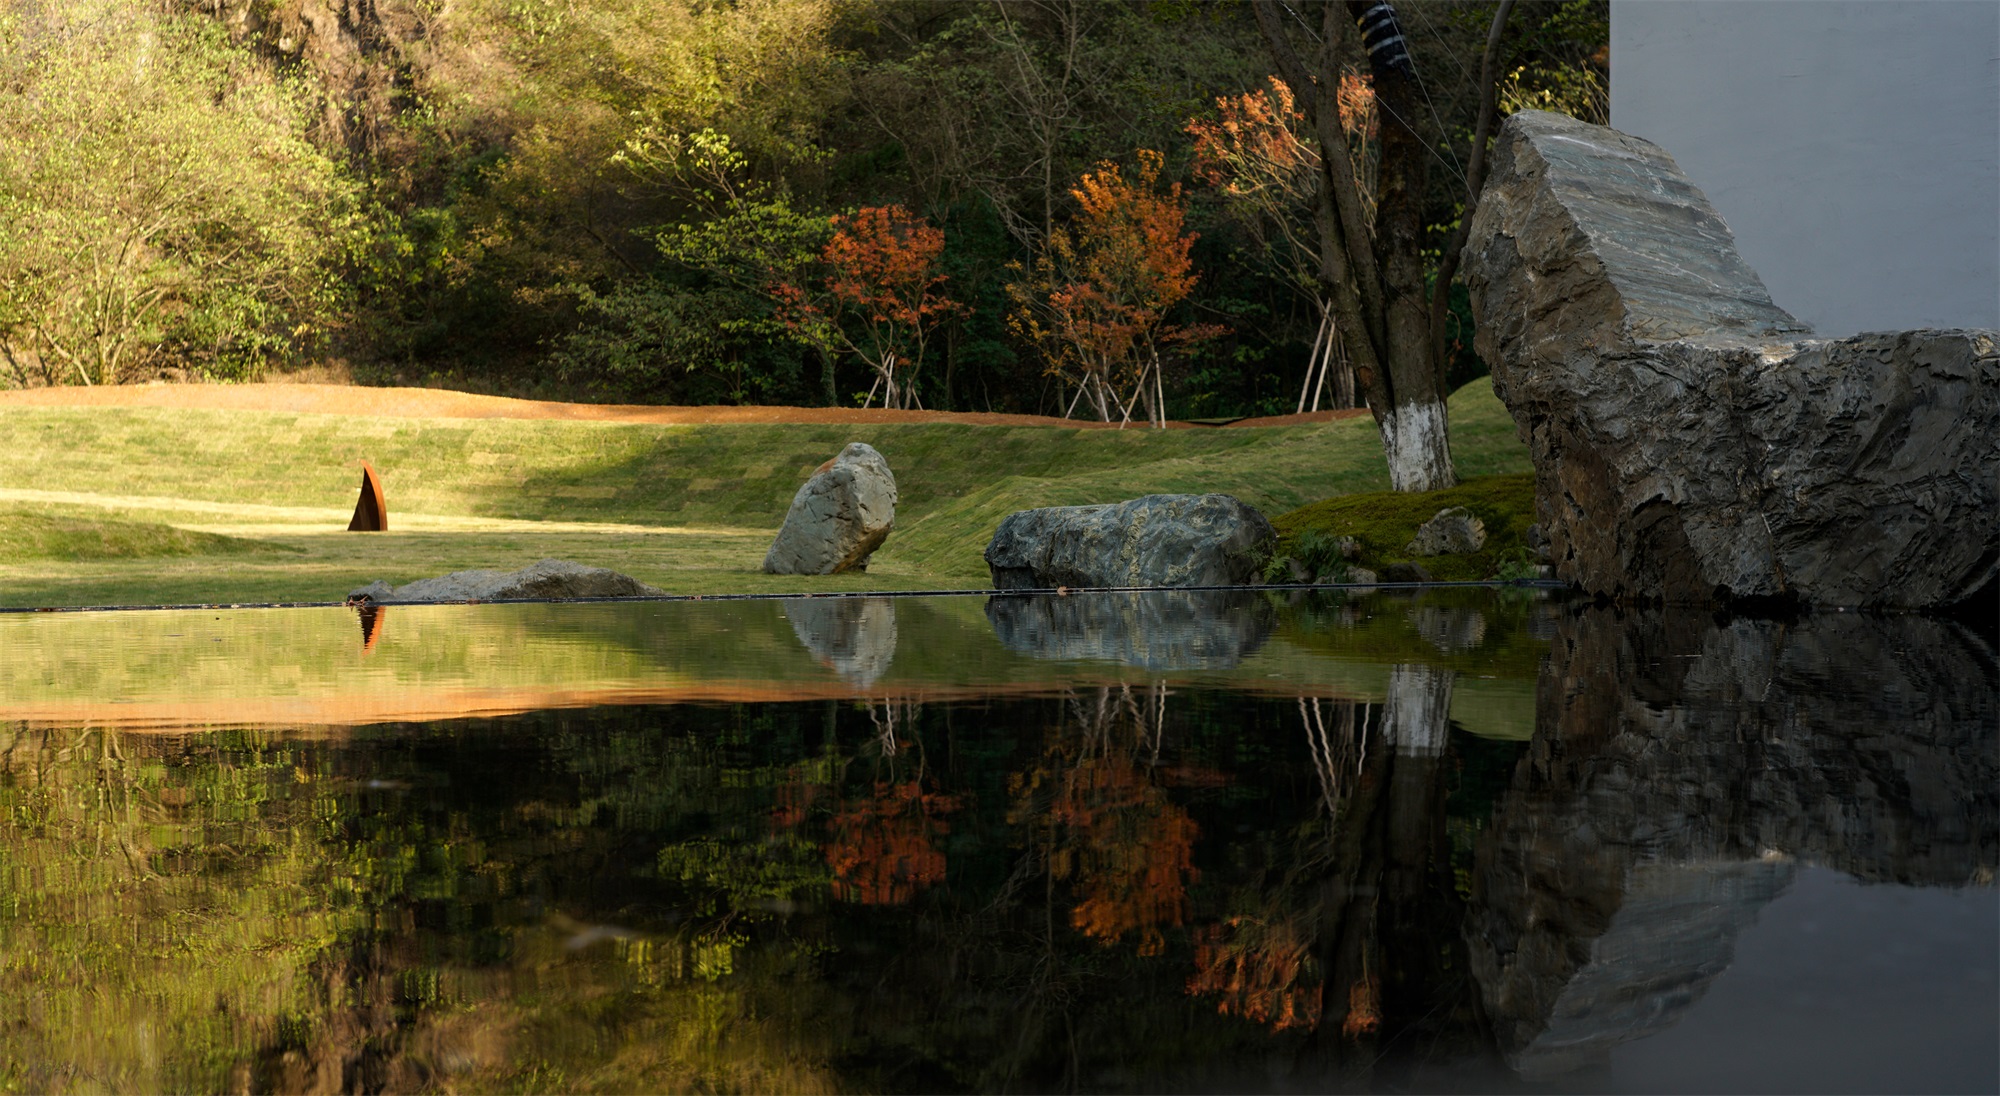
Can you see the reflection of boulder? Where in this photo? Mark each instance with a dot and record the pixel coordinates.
(551, 578)
(856, 637)
(1157, 630)
(1679, 769)
(1450, 628)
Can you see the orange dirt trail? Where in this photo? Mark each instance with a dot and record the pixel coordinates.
(432, 403)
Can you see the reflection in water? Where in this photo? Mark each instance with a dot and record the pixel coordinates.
(1418, 710)
(1450, 628)
(1159, 631)
(855, 637)
(1129, 885)
(371, 616)
(1680, 771)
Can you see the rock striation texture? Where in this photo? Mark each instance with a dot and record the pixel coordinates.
(1158, 540)
(838, 519)
(1691, 443)
(551, 578)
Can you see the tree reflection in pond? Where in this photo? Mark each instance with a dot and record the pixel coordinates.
(1143, 885)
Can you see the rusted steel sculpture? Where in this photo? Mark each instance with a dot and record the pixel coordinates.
(371, 514)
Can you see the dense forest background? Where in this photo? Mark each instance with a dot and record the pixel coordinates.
(701, 201)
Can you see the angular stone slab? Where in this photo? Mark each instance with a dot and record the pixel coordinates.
(1691, 443)
(551, 578)
(1158, 540)
(838, 518)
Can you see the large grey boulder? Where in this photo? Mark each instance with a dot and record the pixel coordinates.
(1691, 443)
(841, 515)
(551, 578)
(1158, 540)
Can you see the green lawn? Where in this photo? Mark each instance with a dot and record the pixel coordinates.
(139, 505)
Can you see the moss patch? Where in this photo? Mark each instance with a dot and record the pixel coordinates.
(42, 534)
(1385, 521)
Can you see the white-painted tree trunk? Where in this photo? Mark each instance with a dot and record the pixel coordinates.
(1419, 451)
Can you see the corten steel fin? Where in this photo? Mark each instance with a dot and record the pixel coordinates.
(371, 514)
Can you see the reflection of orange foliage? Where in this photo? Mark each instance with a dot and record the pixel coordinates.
(1364, 1008)
(881, 852)
(1260, 970)
(1132, 853)
(794, 798)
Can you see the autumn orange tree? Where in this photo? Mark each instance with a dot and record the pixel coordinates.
(1260, 153)
(881, 297)
(1097, 297)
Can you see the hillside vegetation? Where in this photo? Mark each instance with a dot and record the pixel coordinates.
(664, 200)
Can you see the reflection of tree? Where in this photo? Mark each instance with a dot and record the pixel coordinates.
(161, 899)
(882, 850)
(1105, 825)
(1264, 971)
(1351, 937)
(1265, 966)
(757, 898)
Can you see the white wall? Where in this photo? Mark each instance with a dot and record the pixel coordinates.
(1853, 146)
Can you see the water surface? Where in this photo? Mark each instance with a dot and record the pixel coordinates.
(1171, 842)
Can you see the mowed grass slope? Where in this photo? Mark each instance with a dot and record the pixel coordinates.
(688, 508)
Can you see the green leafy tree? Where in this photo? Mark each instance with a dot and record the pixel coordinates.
(160, 207)
(710, 313)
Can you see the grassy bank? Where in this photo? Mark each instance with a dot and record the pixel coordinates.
(687, 508)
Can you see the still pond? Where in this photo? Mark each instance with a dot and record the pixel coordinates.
(1451, 841)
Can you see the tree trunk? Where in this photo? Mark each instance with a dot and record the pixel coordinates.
(1414, 431)
(1376, 272)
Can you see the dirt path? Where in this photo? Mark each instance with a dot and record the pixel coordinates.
(431, 403)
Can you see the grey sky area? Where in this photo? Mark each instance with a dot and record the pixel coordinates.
(1853, 147)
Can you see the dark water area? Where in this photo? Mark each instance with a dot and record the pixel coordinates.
(1450, 842)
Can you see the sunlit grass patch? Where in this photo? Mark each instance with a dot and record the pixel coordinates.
(1277, 471)
(690, 509)
(40, 533)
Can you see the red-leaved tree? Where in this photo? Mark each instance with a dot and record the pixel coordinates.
(881, 297)
(1097, 297)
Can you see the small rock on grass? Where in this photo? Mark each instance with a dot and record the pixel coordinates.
(1453, 531)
